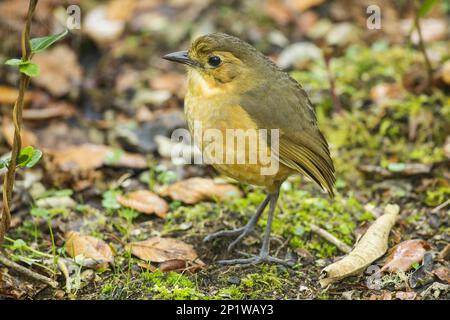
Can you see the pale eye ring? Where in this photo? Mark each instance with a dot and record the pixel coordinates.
(214, 61)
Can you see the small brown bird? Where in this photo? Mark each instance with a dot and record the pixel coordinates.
(233, 86)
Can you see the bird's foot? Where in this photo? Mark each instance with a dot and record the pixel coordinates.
(240, 232)
(255, 259)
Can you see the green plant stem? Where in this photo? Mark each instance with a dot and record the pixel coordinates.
(8, 184)
(55, 257)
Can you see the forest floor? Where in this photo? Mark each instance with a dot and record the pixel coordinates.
(389, 137)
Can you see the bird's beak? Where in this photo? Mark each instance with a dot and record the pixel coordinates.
(180, 57)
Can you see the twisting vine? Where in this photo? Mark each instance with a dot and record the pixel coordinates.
(28, 156)
(8, 183)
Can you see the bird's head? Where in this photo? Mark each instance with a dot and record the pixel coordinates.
(222, 60)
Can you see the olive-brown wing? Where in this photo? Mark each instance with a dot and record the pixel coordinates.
(281, 103)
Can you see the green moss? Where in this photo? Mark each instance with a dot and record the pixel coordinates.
(437, 196)
(170, 285)
(264, 284)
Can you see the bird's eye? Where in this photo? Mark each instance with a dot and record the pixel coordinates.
(214, 61)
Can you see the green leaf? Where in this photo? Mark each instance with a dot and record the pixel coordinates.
(109, 200)
(35, 157)
(4, 163)
(14, 62)
(42, 44)
(396, 167)
(30, 69)
(28, 157)
(18, 244)
(40, 213)
(426, 7)
(25, 156)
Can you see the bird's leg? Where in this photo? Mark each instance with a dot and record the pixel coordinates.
(264, 252)
(243, 231)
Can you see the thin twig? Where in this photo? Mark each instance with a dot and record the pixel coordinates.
(330, 238)
(441, 206)
(445, 252)
(33, 275)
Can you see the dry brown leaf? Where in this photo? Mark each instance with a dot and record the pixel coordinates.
(405, 254)
(79, 158)
(385, 91)
(171, 254)
(28, 138)
(89, 247)
(285, 11)
(92, 156)
(60, 70)
(159, 249)
(402, 295)
(145, 201)
(8, 95)
(372, 245)
(194, 190)
(303, 5)
(445, 252)
(443, 273)
(120, 9)
(57, 109)
(76, 166)
(386, 295)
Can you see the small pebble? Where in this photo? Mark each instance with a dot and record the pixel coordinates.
(234, 280)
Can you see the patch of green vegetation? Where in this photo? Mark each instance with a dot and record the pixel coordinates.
(170, 285)
(267, 282)
(435, 197)
(196, 215)
(301, 208)
(109, 201)
(379, 132)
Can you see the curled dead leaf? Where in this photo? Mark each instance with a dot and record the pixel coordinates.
(194, 190)
(372, 245)
(91, 156)
(405, 254)
(90, 248)
(443, 273)
(57, 109)
(76, 165)
(145, 201)
(171, 254)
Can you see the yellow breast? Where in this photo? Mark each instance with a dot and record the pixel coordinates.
(215, 110)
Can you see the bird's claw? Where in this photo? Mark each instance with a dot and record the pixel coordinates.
(241, 232)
